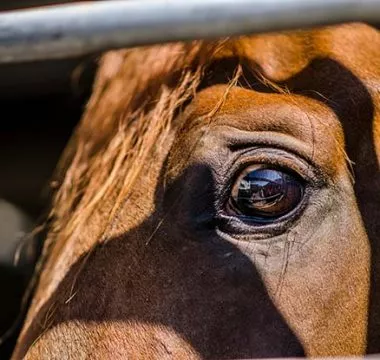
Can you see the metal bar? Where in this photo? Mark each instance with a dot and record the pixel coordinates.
(73, 30)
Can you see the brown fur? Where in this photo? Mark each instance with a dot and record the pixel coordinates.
(126, 271)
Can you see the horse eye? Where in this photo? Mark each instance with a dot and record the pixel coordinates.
(266, 194)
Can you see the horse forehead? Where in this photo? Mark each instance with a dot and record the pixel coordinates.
(335, 65)
(283, 55)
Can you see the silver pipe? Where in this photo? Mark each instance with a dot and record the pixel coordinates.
(73, 30)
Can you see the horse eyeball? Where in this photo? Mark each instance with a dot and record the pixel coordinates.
(265, 194)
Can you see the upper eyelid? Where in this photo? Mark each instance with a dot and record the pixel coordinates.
(240, 141)
(276, 157)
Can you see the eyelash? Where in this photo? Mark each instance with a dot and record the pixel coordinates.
(277, 158)
(272, 157)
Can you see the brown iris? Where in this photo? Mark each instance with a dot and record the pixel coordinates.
(265, 193)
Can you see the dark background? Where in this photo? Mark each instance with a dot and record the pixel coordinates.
(40, 104)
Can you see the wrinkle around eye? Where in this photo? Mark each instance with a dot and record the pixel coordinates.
(236, 139)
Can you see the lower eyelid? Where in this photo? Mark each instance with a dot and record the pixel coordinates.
(240, 226)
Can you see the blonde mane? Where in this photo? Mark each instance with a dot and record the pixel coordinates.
(137, 94)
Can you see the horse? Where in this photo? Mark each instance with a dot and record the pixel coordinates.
(218, 200)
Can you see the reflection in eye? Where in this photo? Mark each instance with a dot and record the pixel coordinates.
(266, 193)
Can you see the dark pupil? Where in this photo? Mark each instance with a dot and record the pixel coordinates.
(267, 193)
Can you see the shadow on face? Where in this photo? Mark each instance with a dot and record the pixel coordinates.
(193, 282)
